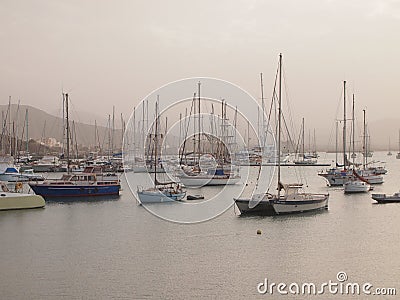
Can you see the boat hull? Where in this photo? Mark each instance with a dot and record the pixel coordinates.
(263, 208)
(356, 187)
(65, 190)
(299, 206)
(10, 201)
(382, 198)
(339, 179)
(158, 197)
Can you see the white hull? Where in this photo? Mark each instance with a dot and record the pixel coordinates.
(158, 197)
(203, 180)
(356, 187)
(20, 201)
(374, 179)
(294, 206)
(339, 179)
(336, 179)
(13, 177)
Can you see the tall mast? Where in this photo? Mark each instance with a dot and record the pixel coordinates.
(262, 133)
(156, 144)
(123, 129)
(95, 135)
(27, 133)
(112, 130)
(16, 133)
(364, 142)
(353, 129)
(9, 124)
(336, 145)
(315, 143)
(63, 125)
(199, 123)
(344, 124)
(279, 124)
(302, 139)
(109, 137)
(67, 126)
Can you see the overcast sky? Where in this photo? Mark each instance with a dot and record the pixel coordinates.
(108, 53)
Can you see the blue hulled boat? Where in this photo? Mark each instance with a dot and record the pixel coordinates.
(77, 185)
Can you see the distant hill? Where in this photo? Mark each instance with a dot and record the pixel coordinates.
(44, 125)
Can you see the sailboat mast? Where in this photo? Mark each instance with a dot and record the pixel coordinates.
(263, 112)
(63, 125)
(16, 133)
(156, 144)
(302, 139)
(279, 124)
(112, 130)
(336, 146)
(199, 124)
(353, 129)
(27, 133)
(344, 124)
(364, 142)
(67, 127)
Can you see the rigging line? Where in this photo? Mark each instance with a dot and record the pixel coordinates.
(338, 107)
(288, 100)
(187, 130)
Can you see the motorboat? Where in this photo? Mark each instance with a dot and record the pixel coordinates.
(13, 200)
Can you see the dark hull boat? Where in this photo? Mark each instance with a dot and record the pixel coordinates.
(382, 198)
(76, 185)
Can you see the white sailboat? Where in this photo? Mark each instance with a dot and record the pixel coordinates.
(161, 191)
(293, 200)
(304, 159)
(389, 152)
(356, 184)
(338, 176)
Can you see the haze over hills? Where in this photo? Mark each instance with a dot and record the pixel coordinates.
(44, 125)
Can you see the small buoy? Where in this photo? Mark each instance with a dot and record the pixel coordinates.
(258, 231)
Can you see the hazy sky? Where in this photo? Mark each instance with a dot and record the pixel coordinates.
(108, 53)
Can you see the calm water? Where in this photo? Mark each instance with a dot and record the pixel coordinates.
(116, 249)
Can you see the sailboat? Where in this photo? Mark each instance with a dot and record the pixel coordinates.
(389, 153)
(338, 176)
(222, 173)
(161, 191)
(79, 184)
(292, 200)
(356, 184)
(304, 159)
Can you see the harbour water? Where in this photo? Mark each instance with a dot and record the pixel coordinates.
(113, 248)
